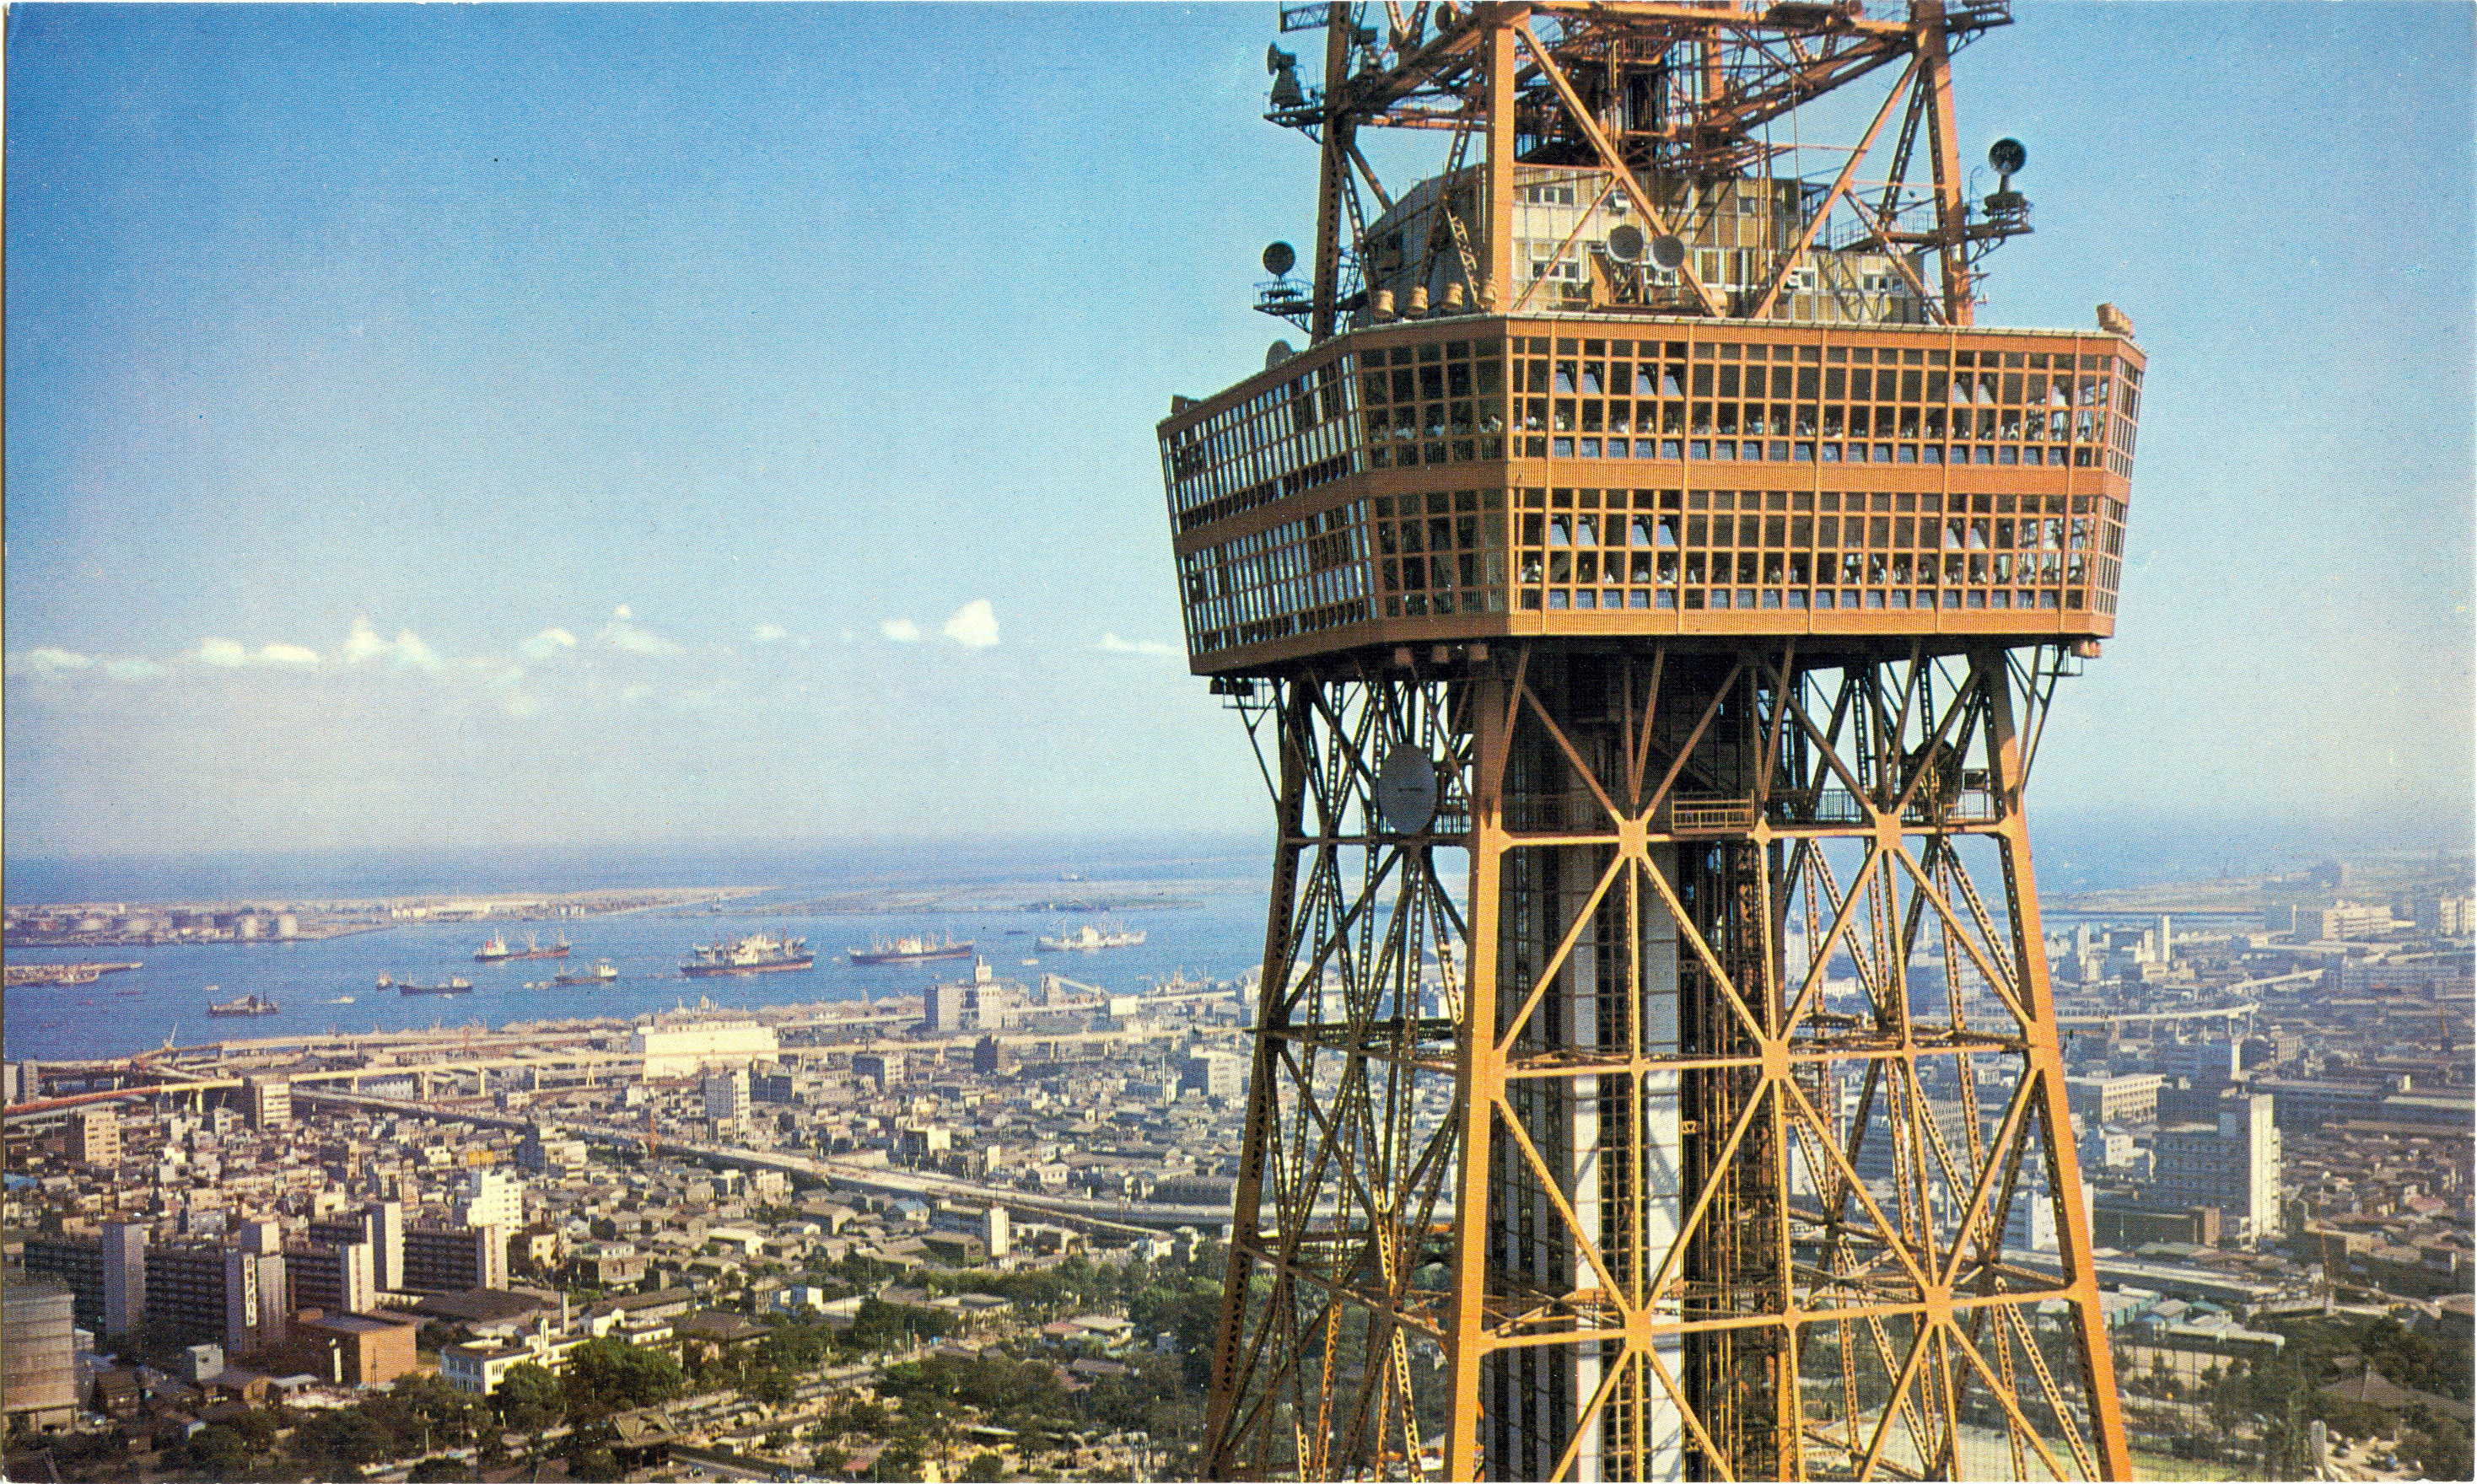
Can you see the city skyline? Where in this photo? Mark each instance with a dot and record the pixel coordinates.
(608, 426)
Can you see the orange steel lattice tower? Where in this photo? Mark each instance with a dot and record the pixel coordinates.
(1645, 591)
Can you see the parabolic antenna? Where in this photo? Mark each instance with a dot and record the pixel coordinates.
(2008, 157)
(1280, 258)
(1625, 243)
(1276, 353)
(1669, 251)
(1406, 790)
(1276, 58)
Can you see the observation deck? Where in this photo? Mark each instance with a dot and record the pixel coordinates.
(1475, 477)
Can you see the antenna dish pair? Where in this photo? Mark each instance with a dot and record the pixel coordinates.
(1626, 244)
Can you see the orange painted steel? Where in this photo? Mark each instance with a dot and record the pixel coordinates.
(1433, 484)
(1655, 1072)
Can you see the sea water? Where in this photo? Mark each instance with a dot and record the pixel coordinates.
(981, 889)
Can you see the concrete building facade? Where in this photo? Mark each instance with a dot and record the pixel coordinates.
(38, 1373)
(94, 1137)
(2232, 1164)
(442, 1258)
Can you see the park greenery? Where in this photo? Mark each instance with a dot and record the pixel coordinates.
(881, 1396)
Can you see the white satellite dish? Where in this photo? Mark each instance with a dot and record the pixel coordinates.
(1276, 353)
(1406, 790)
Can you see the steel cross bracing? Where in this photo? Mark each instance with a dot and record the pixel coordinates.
(1677, 1133)
(1665, 97)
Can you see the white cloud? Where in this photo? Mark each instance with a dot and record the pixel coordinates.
(973, 626)
(362, 645)
(1152, 646)
(405, 651)
(902, 631)
(513, 700)
(621, 634)
(228, 655)
(635, 693)
(413, 654)
(767, 634)
(546, 644)
(47, 661)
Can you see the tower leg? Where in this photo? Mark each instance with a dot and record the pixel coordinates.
(1726, 1136)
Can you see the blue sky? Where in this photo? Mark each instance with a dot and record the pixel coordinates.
(511, 426)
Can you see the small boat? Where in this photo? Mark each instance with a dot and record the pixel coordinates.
(341, 999)
(247, 1006)
(602, 973)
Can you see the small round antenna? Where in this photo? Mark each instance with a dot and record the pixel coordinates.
(1280, 258)
(1625, 243)
(1669, 251)
(1276, 353)
(2008, 157)
(1406, 790)
(1276, 58)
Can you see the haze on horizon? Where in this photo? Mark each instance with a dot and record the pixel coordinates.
(534, 428)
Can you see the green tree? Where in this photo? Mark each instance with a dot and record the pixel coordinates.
(220, 1450)
(985, 1468)
(346, 1435)
(441, 1468)
(829, 1460)
(529, 1399)
(607, 1375)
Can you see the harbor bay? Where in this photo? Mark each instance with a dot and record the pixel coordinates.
(1195, 925)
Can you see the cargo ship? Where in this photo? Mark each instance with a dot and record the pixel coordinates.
(247, 1006)
(600, 973)
(918, 949)
(1088, 937)
(757, 953)
(497, 952)
(451, 987)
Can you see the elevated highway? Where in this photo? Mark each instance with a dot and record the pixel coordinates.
(1124, 1217)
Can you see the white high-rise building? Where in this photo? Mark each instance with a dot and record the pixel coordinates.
(493, 1200)
(124, 1276)
(726, 1098)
